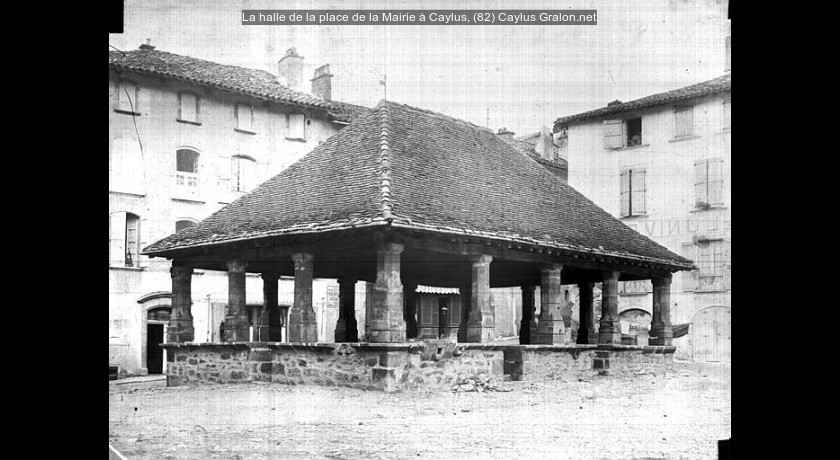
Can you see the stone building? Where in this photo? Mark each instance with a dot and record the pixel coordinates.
(403, 198)
(187, 137)
(662, 165)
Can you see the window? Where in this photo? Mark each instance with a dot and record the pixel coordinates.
(243, 172)
(127, 96)
(186, 168)
(711, 262)
(622, 133)
(455, 313)
(684, 119)
(124, 246)
(182, 224)
(632, 192)
(708, 183)
(727, 115)
(188, 107)
(244, 117)
(126, 168)
(296, 126)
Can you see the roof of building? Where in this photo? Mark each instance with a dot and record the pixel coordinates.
(714, 86)
(411, 168)
(254, 83)
(530, 149)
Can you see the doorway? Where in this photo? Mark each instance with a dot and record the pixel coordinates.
(712, 335)
(154, 352)
(443, 317)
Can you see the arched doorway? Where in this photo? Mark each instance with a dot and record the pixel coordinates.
(156, 320)
(711, 334)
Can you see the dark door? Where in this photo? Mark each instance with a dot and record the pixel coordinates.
(443, 317)
(154, 353)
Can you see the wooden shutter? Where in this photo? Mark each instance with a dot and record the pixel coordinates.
(727, 268)
(117, 239)
(625, 193)
(128, 96)
(715, 181)
(689, 278)
(132, 240)
(684, 119)
(244, 116)
(296, 126)
(189, 105)
(637, 186)
(700, 183)
(727, 115)
(613, 134)
(425, 310)
(455, 312)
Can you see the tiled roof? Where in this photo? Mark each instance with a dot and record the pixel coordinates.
(530, 149)
(410, 168)
(255, 83)
(716, 85)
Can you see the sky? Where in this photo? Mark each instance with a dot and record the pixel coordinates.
(520, 77)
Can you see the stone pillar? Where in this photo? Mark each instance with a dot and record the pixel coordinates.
(480, 323)
(270, 308)
(410, 309)
(181, 321)
(551, 329)
(346, 328)
(387, 324)
(660, 327)
(586, 331)
(236, 327)
(609, 330)
(466, 302)
(529, 310)
(303, 326)
(368, 290)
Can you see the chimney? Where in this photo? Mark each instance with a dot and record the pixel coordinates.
(545, 144)
(147, 45)
(505, 134)
(290, 68)
(322, 83)
(614, 103)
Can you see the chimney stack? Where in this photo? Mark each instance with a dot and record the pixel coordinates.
(290, 68)
(505, 134)
(322, 83)
(147, 45)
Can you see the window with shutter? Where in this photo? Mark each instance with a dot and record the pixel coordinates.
(425, 311)
(625, 193)
(117, 245)
(244, 171)
(244, 117)
(727, 115)
(638, 190)
(182, 224)
(689, 278)
(296, 126)
(186, 173)
(701, 189)
(684, 118)
(132, 240)
(633, 127)
(455, 313)
(126, 167)
(613, 134)
(127, 96)
(188, 107)
(708, 183)
(712, 264)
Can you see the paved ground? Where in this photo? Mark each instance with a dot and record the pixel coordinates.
(680, 415)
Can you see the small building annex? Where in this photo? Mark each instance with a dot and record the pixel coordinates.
(405, 197)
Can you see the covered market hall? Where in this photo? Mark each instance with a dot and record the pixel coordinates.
(399, 198)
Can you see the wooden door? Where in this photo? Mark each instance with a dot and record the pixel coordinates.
(712, 335)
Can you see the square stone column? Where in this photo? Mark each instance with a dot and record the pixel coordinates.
(480, 323)
(410, 309)
(236, 328)
(303, 326)
(270, 308)
(466, 301)
(586, 331)
(181, 321)
(660, 326)
(529, 310)
(387, 324)
(609, 330)
(346, 328)
(368, 290)
(551, 328)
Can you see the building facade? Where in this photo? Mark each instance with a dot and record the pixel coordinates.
(662, 165)
(187, 137)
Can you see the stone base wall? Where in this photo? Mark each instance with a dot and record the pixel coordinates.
(388, 367)
(630, 359)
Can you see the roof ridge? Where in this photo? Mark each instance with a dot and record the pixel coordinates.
(437, 114)
(385, 162)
